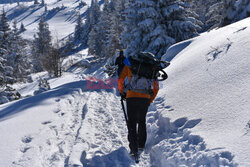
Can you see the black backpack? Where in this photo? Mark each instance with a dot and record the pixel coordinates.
(146, 65)
(145, 70)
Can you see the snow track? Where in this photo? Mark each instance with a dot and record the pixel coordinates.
(172, 144)
(89, 129)
(101, 140)
(54, 141)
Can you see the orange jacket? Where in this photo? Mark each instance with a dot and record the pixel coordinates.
(126, 72)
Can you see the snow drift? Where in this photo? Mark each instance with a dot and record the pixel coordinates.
(209, 80)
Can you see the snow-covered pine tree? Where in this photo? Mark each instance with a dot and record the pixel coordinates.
(6, 74)
(242, 9)
(42, 2)
(132, 35)
(5, 31)
(92, 16)
(48, 57)
(181, 22)
(22, 28)
(230, 13)
(144, 28)
(18, 58)
(55, 63)
(86, 28)
(103, 30)
(45, 8)
(216, 14)
(82, 4)
(42, 44)
(94, 42)
(95, 13)
(157, 39)
(78, 33)
(36, 2)
(201, 8)
(2, 67)
(116, 27)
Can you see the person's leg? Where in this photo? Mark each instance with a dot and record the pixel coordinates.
(142, 132)
(132, 134)
(137, 109)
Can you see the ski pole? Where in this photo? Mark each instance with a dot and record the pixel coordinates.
(129, 131)
(125, 115)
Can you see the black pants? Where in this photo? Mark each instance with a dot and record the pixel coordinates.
(137, 134)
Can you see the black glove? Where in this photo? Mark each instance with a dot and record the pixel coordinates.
(123, 95)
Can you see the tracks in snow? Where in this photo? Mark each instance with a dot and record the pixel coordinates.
(52, 145)
(88, 129)
(101, 138)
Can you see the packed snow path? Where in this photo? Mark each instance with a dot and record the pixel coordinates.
(87, 128)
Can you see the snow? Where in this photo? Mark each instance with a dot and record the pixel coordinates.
(200, 116)
(61, 16)
(209, 80)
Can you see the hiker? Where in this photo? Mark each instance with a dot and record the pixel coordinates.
(138, 101)
(119, 62)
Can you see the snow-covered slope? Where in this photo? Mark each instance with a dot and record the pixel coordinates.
(209, 80)
(60, 15)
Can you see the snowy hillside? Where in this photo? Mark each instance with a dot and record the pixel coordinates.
(60, 15)
(209, 80)
(199, 118)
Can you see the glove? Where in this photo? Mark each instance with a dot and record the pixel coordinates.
(123, 95)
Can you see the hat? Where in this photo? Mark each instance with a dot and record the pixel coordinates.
(121, 53)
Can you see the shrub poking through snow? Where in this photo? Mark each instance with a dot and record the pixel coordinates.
(43, 86)
(9, 94)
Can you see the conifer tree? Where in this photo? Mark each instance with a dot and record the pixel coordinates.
(5, 31)
(130, 36)
(18, 58)
(216, 14)
(236, 11)
(42, 3)
(116, 27)
(144, 28)
(244, 9)
(78, 33)
(92, 16)
(94, 12)
(42, 44)
(93, 42)
(181, 23)
(36, 2)
(48, 56)
(102, 29)
(5, 41)
(201, 9)
(22, 28)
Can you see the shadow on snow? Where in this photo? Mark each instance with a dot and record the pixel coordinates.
(118, 157)
(29, 102)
